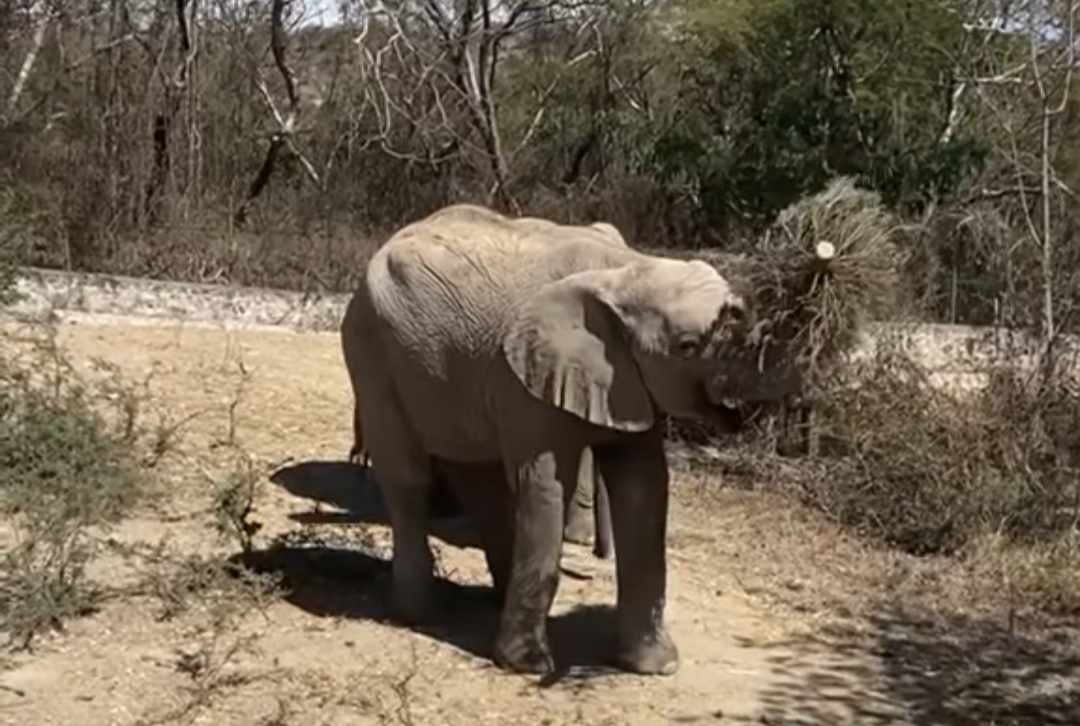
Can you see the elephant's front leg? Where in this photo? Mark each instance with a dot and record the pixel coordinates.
(521, 643)
(636, 476)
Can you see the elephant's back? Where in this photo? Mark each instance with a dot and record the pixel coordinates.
(439, 310)
(442, 280)
(461, 270)
(442, 292)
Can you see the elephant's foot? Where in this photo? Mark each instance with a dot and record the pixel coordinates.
(524, 654)
(411, 608)
(654, 654)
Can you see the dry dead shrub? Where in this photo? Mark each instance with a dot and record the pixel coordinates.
(927, 471)
(1033, 424)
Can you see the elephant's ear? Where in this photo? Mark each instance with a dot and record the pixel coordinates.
(568, 347)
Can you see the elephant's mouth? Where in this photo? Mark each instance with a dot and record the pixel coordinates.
(720, 389)
(726, 415)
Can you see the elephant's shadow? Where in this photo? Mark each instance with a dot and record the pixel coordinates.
(350, 488)
(331, 581)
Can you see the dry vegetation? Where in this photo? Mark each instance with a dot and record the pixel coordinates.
(936, 529)
(899, 458)
(924, 511)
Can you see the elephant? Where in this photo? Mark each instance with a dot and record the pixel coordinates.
(590, 497)
(494, 353)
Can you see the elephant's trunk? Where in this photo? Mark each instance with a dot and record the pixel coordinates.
(760, 373)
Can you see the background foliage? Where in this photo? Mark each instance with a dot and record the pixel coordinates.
(246, 141)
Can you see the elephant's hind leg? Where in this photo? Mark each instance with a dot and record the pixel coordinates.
(588, 516)
(604, 539)
(483, 493)
(358, 453)
(406, 479)
(579, 527)
(538, 484)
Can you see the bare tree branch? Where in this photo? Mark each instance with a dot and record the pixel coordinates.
(449, 57)
(286, 123)
(277, 47)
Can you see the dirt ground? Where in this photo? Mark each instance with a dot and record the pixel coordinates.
(779, 618)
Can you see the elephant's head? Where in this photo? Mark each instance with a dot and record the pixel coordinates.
(611, 346)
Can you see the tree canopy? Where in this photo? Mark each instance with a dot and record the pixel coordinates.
(131, 130)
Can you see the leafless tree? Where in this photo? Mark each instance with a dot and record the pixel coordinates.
(41, 16)
(1029, 93)
(434, 66)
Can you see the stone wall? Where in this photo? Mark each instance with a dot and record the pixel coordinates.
(957, 356)
(45, 291)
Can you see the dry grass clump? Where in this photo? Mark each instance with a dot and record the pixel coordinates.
(817, 306)
(826, 266)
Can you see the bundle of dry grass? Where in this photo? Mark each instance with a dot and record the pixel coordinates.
(826, 266)
(834, 266)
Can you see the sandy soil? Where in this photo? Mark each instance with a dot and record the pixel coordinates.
(758, 642)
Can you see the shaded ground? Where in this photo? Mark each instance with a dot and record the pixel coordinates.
(780, 619)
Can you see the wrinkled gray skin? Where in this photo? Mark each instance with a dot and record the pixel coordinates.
(588, 513)
(494, 354)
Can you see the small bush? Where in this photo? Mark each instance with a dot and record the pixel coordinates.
(234, 503)
(58, 451)
(65, 468)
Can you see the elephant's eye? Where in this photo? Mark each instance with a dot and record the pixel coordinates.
(732, 315)
(731, 321)
(688, 346)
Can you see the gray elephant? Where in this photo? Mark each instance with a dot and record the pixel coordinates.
(493, 354)
(588, 514)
